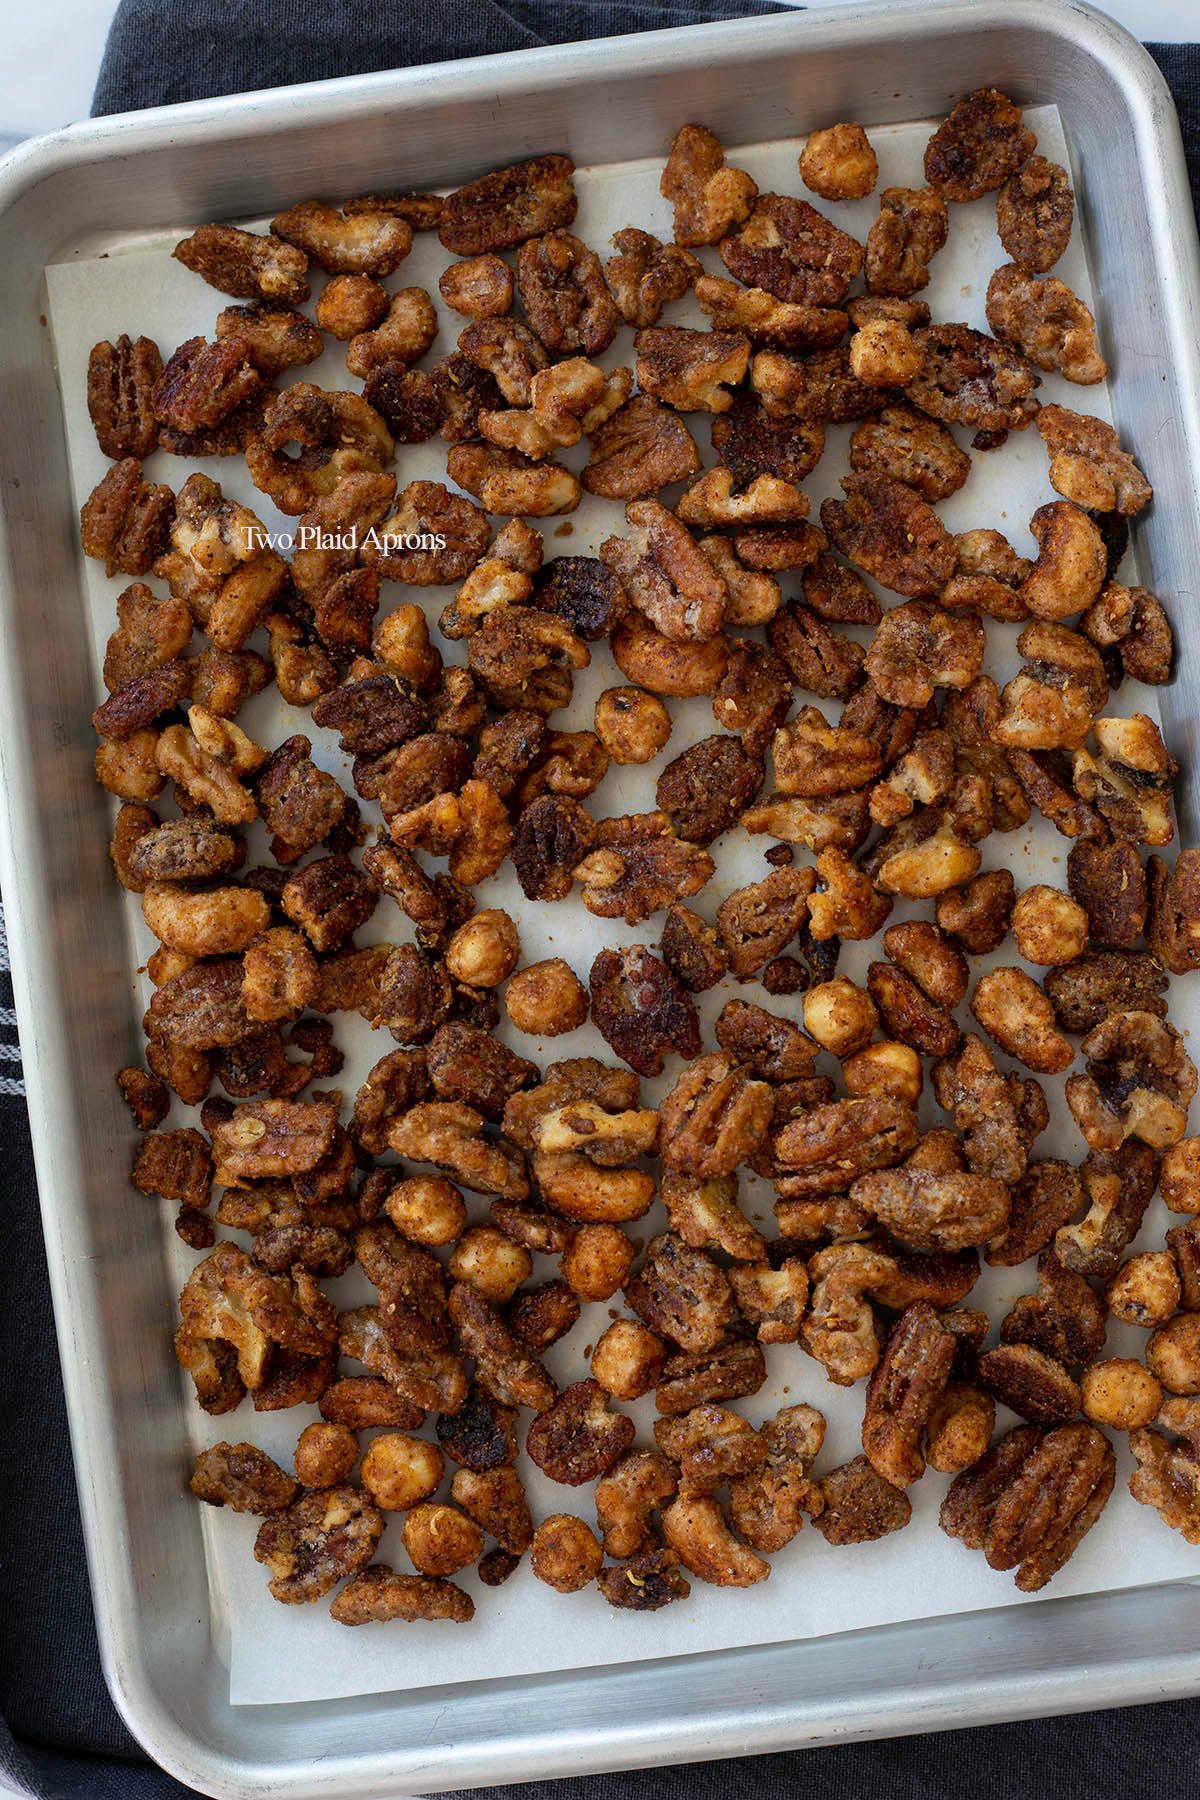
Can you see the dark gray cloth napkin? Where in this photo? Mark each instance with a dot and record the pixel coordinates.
(60, 1737)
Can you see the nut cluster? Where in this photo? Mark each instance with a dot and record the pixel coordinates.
(461, 1164)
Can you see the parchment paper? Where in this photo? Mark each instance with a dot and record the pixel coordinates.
(277, 1653)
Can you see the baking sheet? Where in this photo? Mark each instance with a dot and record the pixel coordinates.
(279, 1654)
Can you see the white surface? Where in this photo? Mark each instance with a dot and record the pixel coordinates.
(52, 54)
(284, 1654)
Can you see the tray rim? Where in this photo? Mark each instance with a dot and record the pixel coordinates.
(737, 1726)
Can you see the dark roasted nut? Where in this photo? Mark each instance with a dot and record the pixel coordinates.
(918, 648)
(301, 805)
(578, 1438)
(641, 1010)
(150, 634)
(1034, 212)
(362, 243)
(645, 1582)
(714, 1118)
(146, 1097)
(1065, 1319)
(708, 196)
(664, 666)
(759, 921)
(787, 247)
(704, 791)
(378, 1596)
(363, 1401)
(328, 899)
(1088, 465)
(969, 379)
(524, 657)
(175, 1164)
(908, 1014)
(245, 264)
(1046, 1197)
(120, 382)
(978, 914)
(422, 212)
(978, 147)
(509, 206)
(892, 533)
(321, 1538)
(1032, 1384)
(816, 658)
(911, 448)
(692, 950)
(726, 1373)
(695, 1528)
(1138, 1083)
(682, 1294)
(903, 1392)
(542, 1315)
(1045, 320)
(125, 519)
(691, 370)
(859, 1505)
(1173, 931)
(753, 695)
(553, 835)
(991, 1110)
(911, 228)
(1029, 1502)
(411, 403)
(924, 952)
(482, 1435)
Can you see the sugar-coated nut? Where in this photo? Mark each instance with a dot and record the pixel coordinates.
(1049, 928)
(597, 1261)
(349, 304)
(1179, 1177)
(628, 1359)
(887, 1069)
(1173, 1354)
(1146, 1289)
(883, 354)
(565, 1553)
(490, 1262)
(838, 163)
(399, 1470)
(325, 1455)
(483, 952)
(1120, 1393)
(632, 725)
(428, 1209)
(440, 1540)
(840, 1015)
(960, 1428)
(546, 999)
(480, 287)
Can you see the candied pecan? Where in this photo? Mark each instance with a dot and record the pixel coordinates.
(690, 370)
(243, 1478)
(1118, 1185)
(911, 228)
(1064, 1319)
(665, 574)
(125, 519)
(814, 759)
(1034, 1385)
(328, 899)
(1173, 931)
(1035, 209)
(910, 1015)
(991, 1111)
(508, 206)
(787, 247)
(714, 1118)
(120, 383)
(1138, 1083)
(637, 866)
(1167, 1477)
(322, 1537)
(481, 1435)
(1047, 322)
(410, 402)
(705, 789)
(642, 447)
(904, 1389)
(859, 1505)
(584, 592)
(692, 949)
(641, 1010)
(771, 1047)
(969, 379)
(815, 657)
(1031, 1499)
(1044, 1198)
(978, 914)
(553, 835)
(912, 448)
(682, 1294)
(524, 657)
(471, 1065)
(931, 1210)
(577, 1438)
(758, 921)
(751, 442)
(978, 147)
(822, 1150)
(423, 212)
(645, 1582)
(540, 1316)
(888, 530)
(175, 1164)
(377, 1596)
(245, 264)
(203, 383)
(200, 1008)
(564, 296)
(426, 511)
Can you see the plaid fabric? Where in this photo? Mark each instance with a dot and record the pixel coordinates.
(60, 1737)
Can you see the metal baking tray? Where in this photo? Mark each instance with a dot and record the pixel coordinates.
(603, 102)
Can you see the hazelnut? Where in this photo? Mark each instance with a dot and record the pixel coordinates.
(887, 1068)
(1121, 1393)
(546, 999)
(483, 952)
(1145, 1290)
(441, 1540)
(597, 1261)
(490, 1262)
(1050, 928)
(1173, 1354)
(399, 1471)
(840, 1015)
(428, 1209)
(632, 725)
(838, 163)
(565, 1553)
(325, 1455)
(628, 1359)
(1179, 1179)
